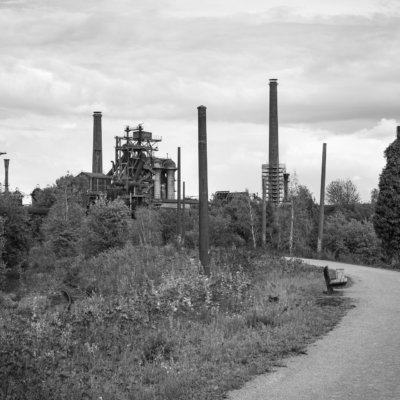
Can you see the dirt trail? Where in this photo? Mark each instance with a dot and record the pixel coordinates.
(359, 359)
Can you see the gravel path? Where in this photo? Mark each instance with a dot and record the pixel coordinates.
(359, 359)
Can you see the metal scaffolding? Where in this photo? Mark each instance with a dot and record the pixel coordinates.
(132, 172)
(273, 182)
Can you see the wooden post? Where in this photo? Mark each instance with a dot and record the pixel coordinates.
(203, 191)
(178, 208)
(322, 202)
(291, 228)
(183, 213)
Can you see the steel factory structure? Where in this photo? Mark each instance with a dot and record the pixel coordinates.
(137, 176)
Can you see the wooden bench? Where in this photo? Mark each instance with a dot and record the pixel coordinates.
(334, 278)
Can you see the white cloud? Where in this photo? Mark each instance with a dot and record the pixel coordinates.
(155, 63)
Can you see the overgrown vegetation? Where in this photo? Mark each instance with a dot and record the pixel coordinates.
(145, 324)
(112, 307)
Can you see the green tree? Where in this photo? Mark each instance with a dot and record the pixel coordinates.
(245, 217)
(297, 221)
(107, 225)
(17, 232)
(351, 240)
(374, 196)
(61, 228)
(387, 209)
(342, 192)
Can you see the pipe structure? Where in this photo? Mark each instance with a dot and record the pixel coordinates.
(178, 206)
(97, 160)
(183, 213)
(322, 201)
(286, 187)
(6, 166)
(203, 191)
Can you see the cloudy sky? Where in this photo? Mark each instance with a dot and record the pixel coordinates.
(154, 62)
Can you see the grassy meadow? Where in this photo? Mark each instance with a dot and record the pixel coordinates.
(144, 323)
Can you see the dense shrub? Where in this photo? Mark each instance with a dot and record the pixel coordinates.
(106, 226)
(351, 240)
(62, 227)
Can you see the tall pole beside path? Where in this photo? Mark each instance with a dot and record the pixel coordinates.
(178, 208)
(322, 202)
(203, 191)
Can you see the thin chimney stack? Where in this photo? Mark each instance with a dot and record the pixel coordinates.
(273, 124)
(6, 165)
(97, 164)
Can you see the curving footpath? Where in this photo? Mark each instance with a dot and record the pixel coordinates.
(359, 359)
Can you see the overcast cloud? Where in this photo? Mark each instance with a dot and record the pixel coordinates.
(154, 62)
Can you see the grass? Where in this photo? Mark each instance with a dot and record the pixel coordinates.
(154, 328)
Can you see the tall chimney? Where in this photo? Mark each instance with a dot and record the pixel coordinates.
(273, 161)
(273, 123)
(97, 162)
(6, 164)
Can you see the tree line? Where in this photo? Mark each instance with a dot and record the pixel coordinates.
(367, 233)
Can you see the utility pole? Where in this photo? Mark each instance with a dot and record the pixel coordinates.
(6, 166)
(183, 213)
(203, 191)
(322, 202)
(178, 208)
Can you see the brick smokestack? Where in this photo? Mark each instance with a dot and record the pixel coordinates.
(6, 164)
(97, 164)
(273, 123)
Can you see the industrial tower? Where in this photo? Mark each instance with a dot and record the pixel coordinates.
(273, 173)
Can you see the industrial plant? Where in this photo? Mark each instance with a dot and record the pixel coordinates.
(140, 178)
(137, 176)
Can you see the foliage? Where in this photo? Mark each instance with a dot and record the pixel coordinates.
(236, 221)
(374, 196)
(304, 213)
(44, 197)
(106, 226)
(351, 240)
(387, 209)
(342, 192)
(62, 227)
(73, 188)
(147, 227)
(17, 233)
(178, 335)
(2, 265)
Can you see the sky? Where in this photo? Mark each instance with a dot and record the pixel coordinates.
(154, 62)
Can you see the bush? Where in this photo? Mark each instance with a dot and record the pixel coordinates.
(106, 226)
